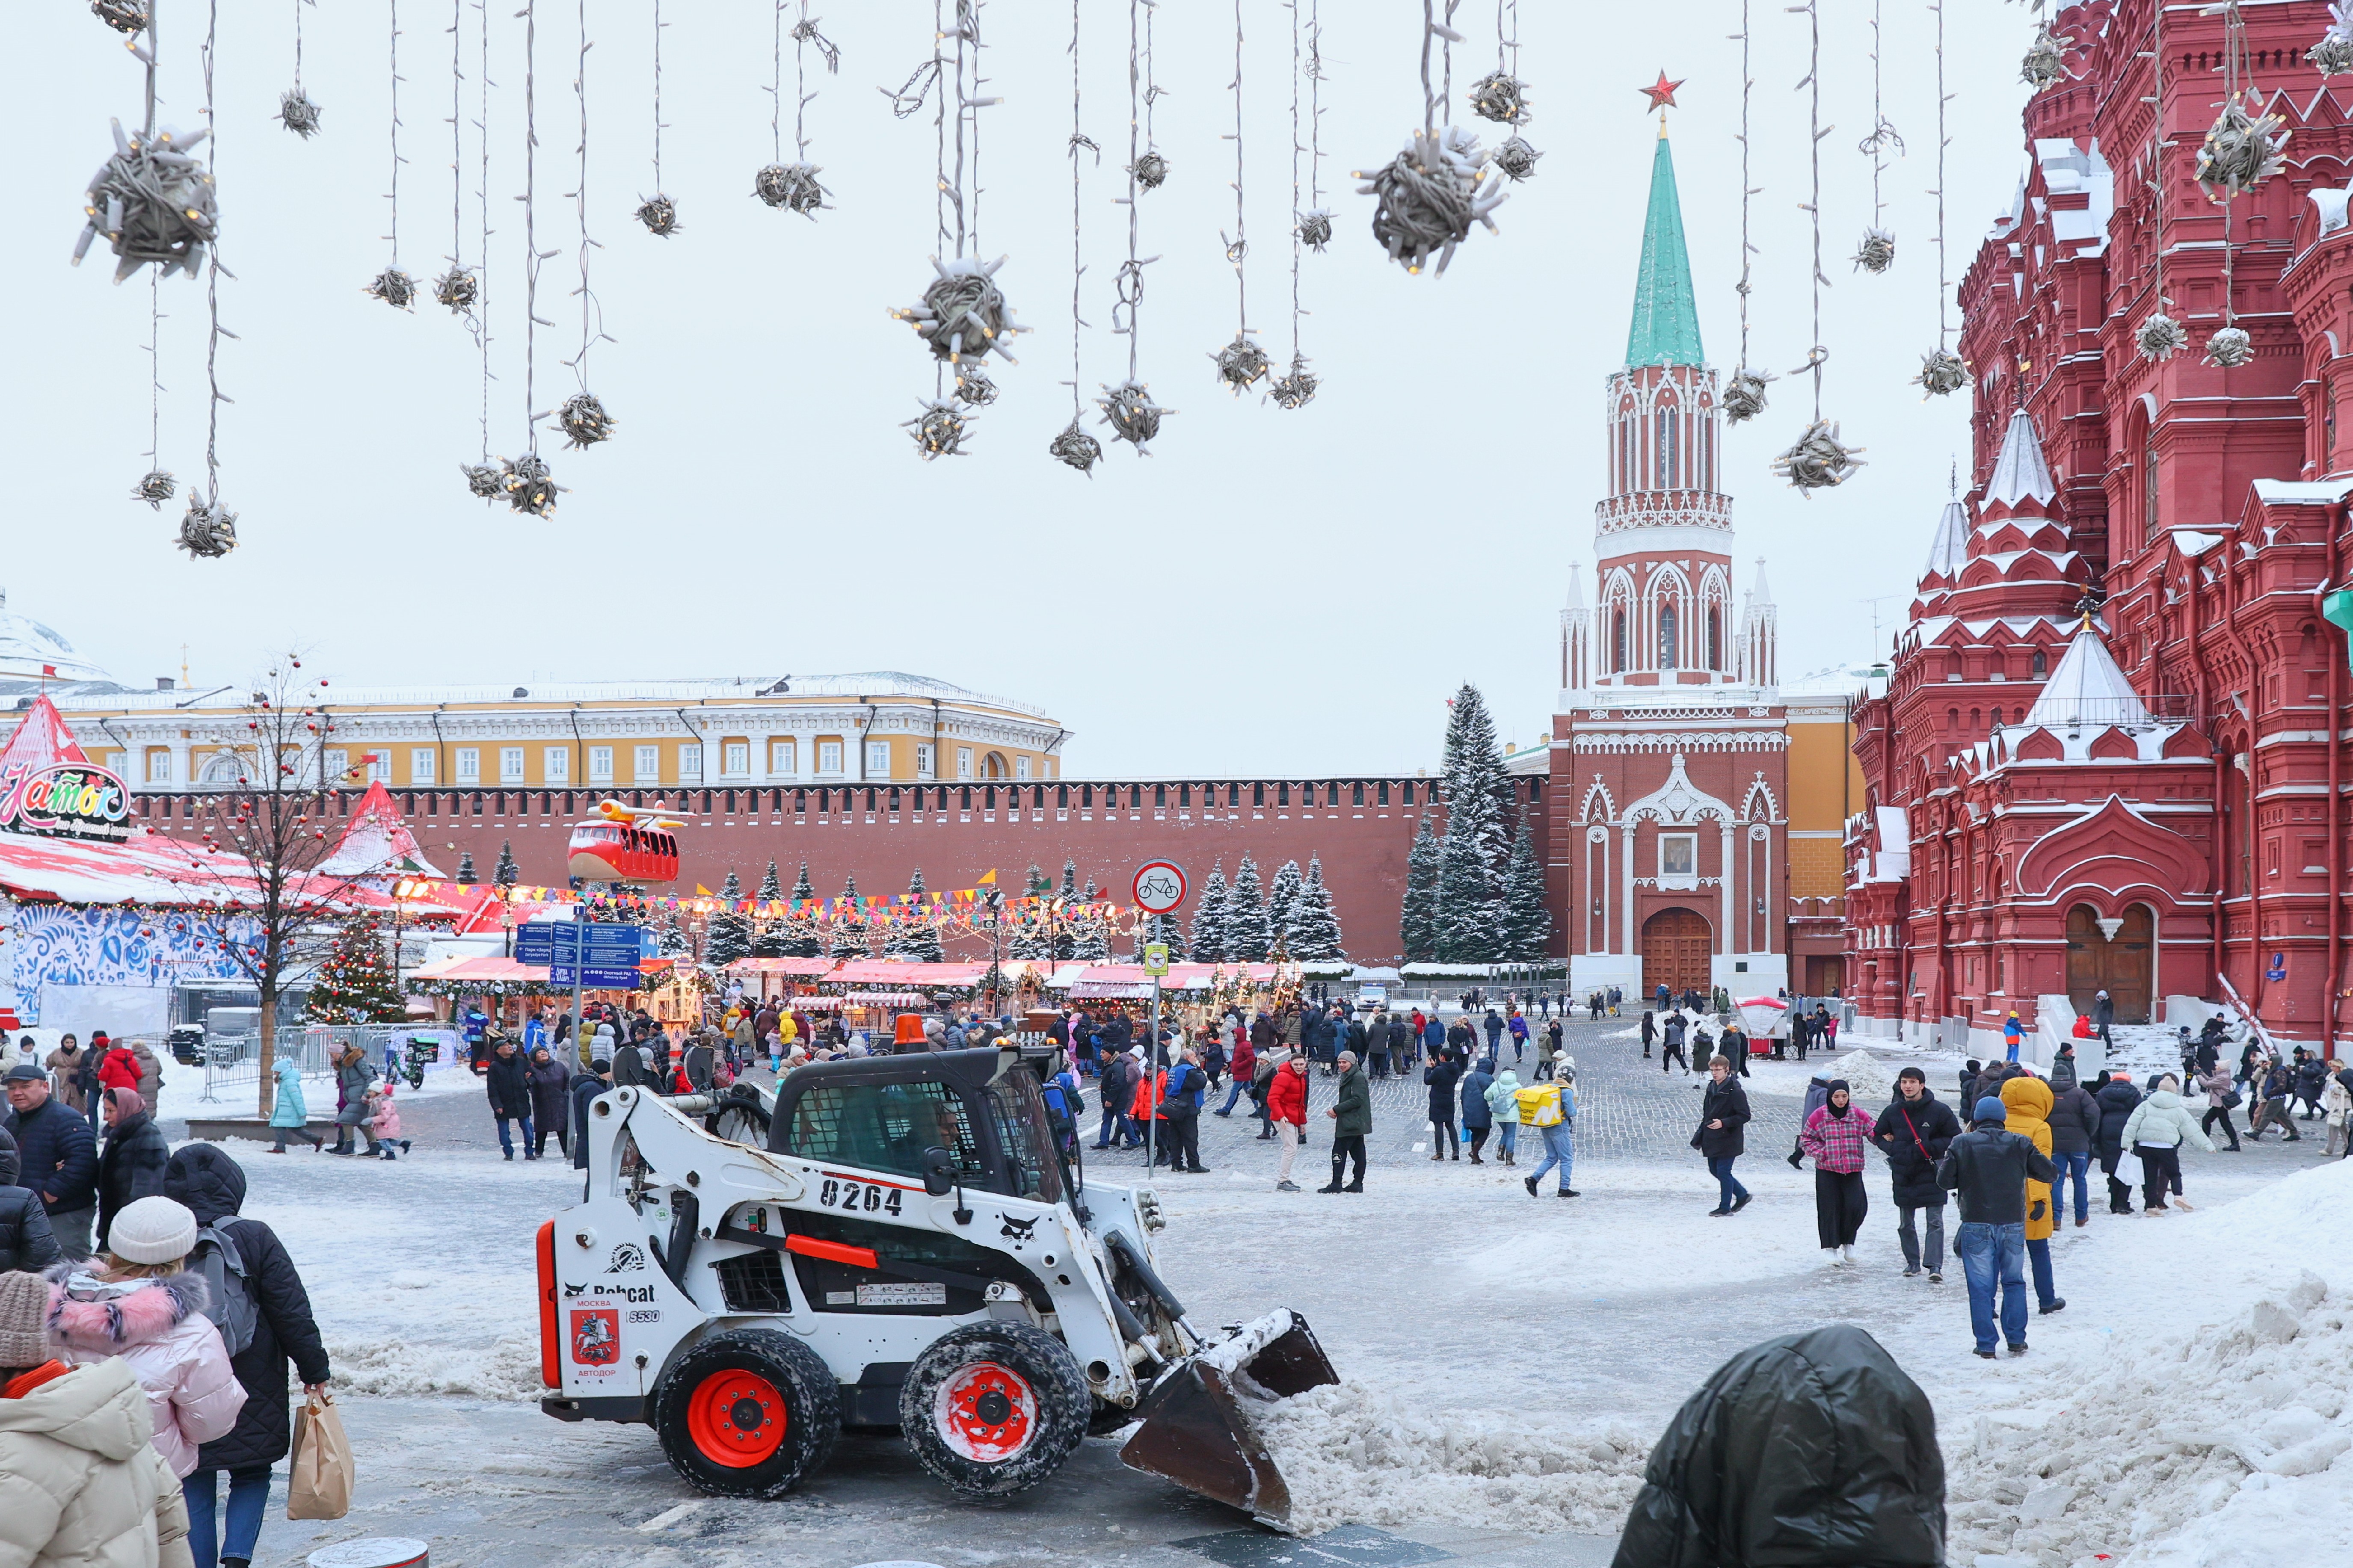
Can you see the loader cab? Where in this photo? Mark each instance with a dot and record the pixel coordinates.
(881, 1113)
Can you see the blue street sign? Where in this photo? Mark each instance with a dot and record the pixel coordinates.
(576, 952)
(595, 976)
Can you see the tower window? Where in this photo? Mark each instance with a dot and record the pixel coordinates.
(1667, 659)
(2042, 666)
(2148, 500)
(1618, 641)
(1715, 637)
(1670, 419)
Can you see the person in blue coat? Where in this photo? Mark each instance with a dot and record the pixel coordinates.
(58, 1154)
(289, 1115)
(1478, 1116)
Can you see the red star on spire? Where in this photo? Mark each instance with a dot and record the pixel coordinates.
(1662, 96)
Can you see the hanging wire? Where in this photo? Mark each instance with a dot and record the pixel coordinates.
(1296, 387)
(657, 212)
(395, 198)
(460, 286)
(481, 319)
(220, 522)
(1241, 363)
(1744, 393)
(2159, 335)
(1942, 373)
(532, 323)
(1128, 407)
(2229, 346)
(1878, 248)
(295, 109)
(969, 25)
(583, 417)
(1817, 459)
(1073, 446)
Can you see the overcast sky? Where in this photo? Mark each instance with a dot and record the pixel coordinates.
(1270, 591)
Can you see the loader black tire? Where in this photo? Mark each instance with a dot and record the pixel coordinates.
(992, 1409)
(747, 1413)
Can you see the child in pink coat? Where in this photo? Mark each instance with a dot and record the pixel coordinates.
(384, 1116)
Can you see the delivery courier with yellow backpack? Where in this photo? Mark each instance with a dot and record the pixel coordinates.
(1550, 1107)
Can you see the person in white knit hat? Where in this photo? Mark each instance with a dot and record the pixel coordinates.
(142, 1305)
(80, 1483)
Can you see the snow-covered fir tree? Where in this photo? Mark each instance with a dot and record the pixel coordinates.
(769, 931)
(1248, 936)
(1314, 926)
(919, 942)
(1417, 917)
(467, 876)
(727, 936)
(1091, 940)
(506, 873)
(1468, 912)
(1527, 924)
(1025, 929)
(1210, 919)
(849, 927)
(354, 983)
(1069, 879)
(1038, 886)
(1169, 929)
(1282, 900)
(671, 940)
(1471, 862)
(800, 937)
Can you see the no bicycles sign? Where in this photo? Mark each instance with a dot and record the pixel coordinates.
(1159, 887)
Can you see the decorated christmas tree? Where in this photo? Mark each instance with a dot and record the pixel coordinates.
(354, 983)
(727, 936)
(1248, 938)
(1282, 900)
(918, 939)
(848, 928)
(801, 941)
(1418, 919)
(1527, 924)
(1315, 928)
(1210, 919)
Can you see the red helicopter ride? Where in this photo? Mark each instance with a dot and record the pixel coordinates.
(624, 844)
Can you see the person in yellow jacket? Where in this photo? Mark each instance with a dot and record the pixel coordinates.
(1551, 1108)
(2026, 1102)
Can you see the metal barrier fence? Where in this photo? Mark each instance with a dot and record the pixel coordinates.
(236, 1061)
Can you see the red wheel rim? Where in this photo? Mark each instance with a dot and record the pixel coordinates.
(986, 1412)
(736, 1418)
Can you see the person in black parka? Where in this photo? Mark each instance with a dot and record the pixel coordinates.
(26, 1243)
(551, 1102)
(131, 1167)
(212, 1186)
(1913, 1132)
(1812, 1449)
(1722, 1137)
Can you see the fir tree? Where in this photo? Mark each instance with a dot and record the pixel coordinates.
(1467, 913)
(1471, 864)
(354, 983)
(1210, 919)
(770, 931)
(1417, 920)
(1091, 942)
(919, 944)
(1314, 927)
(804, 890)
(800, 938)
(670, 939)
(1527, 924)
(467, 876)
(1069, 879)
(1039, 886)
(1248, 936)
(848, 928)
(1282, 902)
(506, 873)
(1170, 929)
(727, 936)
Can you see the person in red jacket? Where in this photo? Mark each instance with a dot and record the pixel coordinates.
(115, 1065)
(1286, 1103)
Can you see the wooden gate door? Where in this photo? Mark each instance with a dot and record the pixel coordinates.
(1676, 949)
(2124, 965)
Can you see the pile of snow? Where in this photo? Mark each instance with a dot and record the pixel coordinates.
(1873, 1083)
(2232, 1444)
(1354, 1454)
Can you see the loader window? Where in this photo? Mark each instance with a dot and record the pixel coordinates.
(1020, 1111)
(884, 1127)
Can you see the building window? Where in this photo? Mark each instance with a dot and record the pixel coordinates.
(1617, 642)
(600, 764)
(555, 764)
(2148, 506)
(335, 765)
(923, 759)
(2041, 665)
(469, 764)
(509, 764)
(1678, 860)
(829, 758)
(1705, 478)
(159, 767)
(1667, 659)
(878, 758)
(1715, 637)
(1670, 422)
(690, 763)
(1020, 767)
(378, 765)
(784, 758)
(423, 764)
(963, 761)
(648, 764)
(735, 758)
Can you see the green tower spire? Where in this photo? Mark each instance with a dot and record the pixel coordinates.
(1666, 317)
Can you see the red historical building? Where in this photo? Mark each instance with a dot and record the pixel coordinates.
(2107, 754)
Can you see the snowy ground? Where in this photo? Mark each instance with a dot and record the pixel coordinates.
(1506, 1360)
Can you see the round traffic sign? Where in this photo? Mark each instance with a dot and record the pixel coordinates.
(1159, 887)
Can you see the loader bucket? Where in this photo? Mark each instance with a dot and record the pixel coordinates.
(1197, 1428)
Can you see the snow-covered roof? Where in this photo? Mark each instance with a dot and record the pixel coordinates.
(1949, 551)
(2303, 492)
(2330, 206)
(2088, 687)
(2020, 471)
(26, 647)
(2067, 168)
(876, 684)
(2193, 543)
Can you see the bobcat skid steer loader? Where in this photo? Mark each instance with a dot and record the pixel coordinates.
(892, 1242)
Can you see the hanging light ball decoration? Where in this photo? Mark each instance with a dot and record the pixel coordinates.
(1819, 461)
(1241, 364)
(793, 185)
(125, 16)
(584, 420)
(2333, 56)
(207, 531)
(1075, 449)
(1517, 158)
(395, 288)
(1877, 251)
(1315, 229)
(298, 114)
(973, 387)
(154, 486)
(2229, 348)
(659, 215)
(530, 486)
(1296, 389)
(2243, 149)
(151, 201)
(2161, 337)
(1428, 195)
(1501, 97)
(1131, 414)
(963, 314)
(1151, 170)
(940, 430)
(485, 481)
(458, 289)
(1942, 374)
(1744, 394)
(2046, 62)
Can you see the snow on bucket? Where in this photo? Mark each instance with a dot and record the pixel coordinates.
(1762, 1015)
(373, 1552)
